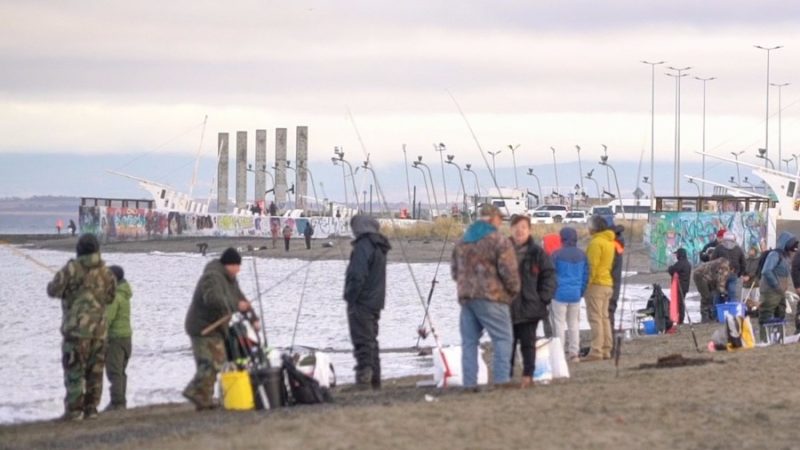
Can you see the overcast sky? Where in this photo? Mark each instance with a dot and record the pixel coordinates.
(128, 77)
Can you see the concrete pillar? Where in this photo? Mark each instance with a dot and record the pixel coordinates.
(222, 173)
(241, 169)
(261, 166)
(280, 167)
(301, 157)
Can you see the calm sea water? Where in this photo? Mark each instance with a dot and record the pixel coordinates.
(162, 284)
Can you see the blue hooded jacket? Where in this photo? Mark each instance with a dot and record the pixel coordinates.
(776, 268)
(572, 268)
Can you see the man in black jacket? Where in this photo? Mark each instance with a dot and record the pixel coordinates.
(538, 277)
(308, 231)
(216, 295)
(365, 292)
(708, 249)
(616, 273)
(683, 268)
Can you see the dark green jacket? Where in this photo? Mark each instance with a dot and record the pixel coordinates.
(216, 294)
(118, 313)
(85, 286)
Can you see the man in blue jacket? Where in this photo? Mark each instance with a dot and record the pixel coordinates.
(572, 274)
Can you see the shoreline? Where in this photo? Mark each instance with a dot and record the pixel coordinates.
(418, 250)
(597, 407)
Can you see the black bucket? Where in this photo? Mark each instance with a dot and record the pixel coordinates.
(268, 385)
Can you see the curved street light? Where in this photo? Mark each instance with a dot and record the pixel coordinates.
(340, 158)
(433, 188)
(596, 185)
(513, 149)
(461, 178)
(538, 184)
(441, 148)
(468, 168)
(555, 169)
(415, 164)
(604, 162)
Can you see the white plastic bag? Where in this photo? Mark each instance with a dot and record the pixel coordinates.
(550, 360)
(453, 357)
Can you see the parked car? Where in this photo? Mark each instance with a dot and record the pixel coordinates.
(606, 212)
(548, 214)
(576, 217)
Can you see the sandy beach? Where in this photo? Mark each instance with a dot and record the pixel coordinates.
(736, 400)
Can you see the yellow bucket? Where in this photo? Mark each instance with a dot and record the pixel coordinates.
(237, 392)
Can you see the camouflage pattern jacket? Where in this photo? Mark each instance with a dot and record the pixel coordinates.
(85, 286)
(715, 273)
(484, 266)
(215, 295)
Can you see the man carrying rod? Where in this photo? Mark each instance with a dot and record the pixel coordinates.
(216, 297)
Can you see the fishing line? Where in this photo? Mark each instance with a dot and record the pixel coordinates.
(299, 308)
(160, 146)
(434, 282)
(30, 258)
(295, 271)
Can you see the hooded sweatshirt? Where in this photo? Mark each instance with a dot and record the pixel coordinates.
(731, 251)
(216, 294)
(600, 253)
(365, 279)
(118, 313)
(683, 268)
(572, 268)
(484, 265)
(776, 270)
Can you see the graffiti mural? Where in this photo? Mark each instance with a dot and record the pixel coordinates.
(669, 231)
(120, 224)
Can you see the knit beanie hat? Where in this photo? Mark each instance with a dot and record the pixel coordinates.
(87, 244)
(721, 233)
(119, 274)
(231, 257)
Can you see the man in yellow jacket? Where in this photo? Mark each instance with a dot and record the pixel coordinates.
(600, 254)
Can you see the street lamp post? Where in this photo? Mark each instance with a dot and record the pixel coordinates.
(461, 178)
(433, 188)
(766, 114)
(335, 160)
(787, 161)
(538, 184)
(596, 185)
(608, 177)
(468, 168)
(408, 183)
(555, 170)
(780, 88)
(692, 181)
(762, 153)
(415, 165)
(704, 80)
(580, 168)
(738, 173)
(494, 168)
(652, 124)
(263, 170)
(513, 149)
(604, 162)
(796, 166)
(677, 165)
(441, 148)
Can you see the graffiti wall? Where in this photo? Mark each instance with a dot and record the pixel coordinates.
(669, 231)
(121, 224)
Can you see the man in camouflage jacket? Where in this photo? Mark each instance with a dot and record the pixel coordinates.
(484, 266)
(711, 277)
(85, 286)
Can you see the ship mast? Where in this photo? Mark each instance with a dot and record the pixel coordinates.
(197, 157)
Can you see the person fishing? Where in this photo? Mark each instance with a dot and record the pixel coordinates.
(72, 227)
(775, 277)
(216, 297)
(365, 294)
(118, 350)
(85, 286)
(484, 267)
(730, 250)
(682, 268)
(708, 249)
(600, 254)
(530, 305)
(711, 277)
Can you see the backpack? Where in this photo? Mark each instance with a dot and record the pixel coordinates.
(761, 260)
(659, 305)
(303, 389)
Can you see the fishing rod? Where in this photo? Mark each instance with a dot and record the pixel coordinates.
(30, 258)
(385, 206)
(260, 309)
(421, 331)
(618, 337)
(299, 308)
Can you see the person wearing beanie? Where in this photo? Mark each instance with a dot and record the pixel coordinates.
(708, 250)
(118, 351)
(85, 286)
(216, 295)
(683, 269)
(600, 254)
(775, 280)
(730, 250)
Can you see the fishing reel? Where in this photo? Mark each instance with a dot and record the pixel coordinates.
(423, 332)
